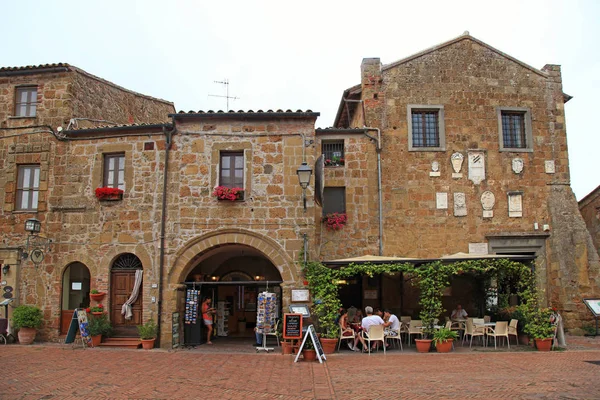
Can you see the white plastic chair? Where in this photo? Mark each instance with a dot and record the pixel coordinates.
(375, 334)
(395, 336)
(415, 328)
(512, 329)
(273, 333)
(471, 330)
(501, 330)
(346, 337)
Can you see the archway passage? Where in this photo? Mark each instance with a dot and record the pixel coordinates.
(122, 283)
(232, 275)
(75, 293)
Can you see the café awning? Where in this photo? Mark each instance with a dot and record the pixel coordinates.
(452, 257)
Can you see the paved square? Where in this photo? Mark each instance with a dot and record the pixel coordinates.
(60, 372)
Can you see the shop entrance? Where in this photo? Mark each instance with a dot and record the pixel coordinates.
(232, 276)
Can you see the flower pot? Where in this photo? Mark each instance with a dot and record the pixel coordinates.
(96, 340)
(148, 344)
(111, 197)
(543, 344)
(423, 345)
(287, 348)
(97, 313)
(523, 339)
(445, 346)
(97, 296)
(309, 354)
(27, 335)
(328, 345)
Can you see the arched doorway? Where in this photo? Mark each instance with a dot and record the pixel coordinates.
(122, 284)
(232, 275)
(75, 293)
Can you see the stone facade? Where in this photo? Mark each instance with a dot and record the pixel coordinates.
(467, 83)
(590, 211)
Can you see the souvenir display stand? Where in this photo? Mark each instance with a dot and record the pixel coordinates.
(266, 314)
(222, 318)
(192, 323)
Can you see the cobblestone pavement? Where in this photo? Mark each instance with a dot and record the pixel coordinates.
(61, 372)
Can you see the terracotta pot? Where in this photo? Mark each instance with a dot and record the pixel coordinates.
(543, 344)
(445, 346)
(328, 345)
(286, 348)
(423, 345)
(97, 313)
(523, 339)
(27, 335)
(148, 344)
(97, 296)
(309, 354)
(96, 340)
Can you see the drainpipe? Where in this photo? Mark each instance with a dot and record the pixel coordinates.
(163, 223)
(378, 150)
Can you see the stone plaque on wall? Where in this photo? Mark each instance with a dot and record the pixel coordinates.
(478, 248)
(460, 204)
(515, 204)
(517, 165)
(441, 201)
(457, 160)
(435, 169)
(487, 202)
(476, 166)
(549, 166)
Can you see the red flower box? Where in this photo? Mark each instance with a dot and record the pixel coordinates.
(231, 194)
(335, 221)
(109, 193)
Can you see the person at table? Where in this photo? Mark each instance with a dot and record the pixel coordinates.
(459, 313)
(337, 319)
(378, 312)
(348, 330)
(371, 320)
(391, 324)
(357, 317)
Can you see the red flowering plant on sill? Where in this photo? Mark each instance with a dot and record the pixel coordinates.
(109, 193)
(334, 162)
(335, 221)
(231, 194)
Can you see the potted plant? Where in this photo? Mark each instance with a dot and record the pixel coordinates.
(96, 295)
(147, 334)
(96, 310)
(27, 319)
(335, 221)
(443, 339)
(109, 194)
(308, 352)
(97, 327)
(231, 194)
(540, 328)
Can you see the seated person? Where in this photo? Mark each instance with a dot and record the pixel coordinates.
(459, 313)
(357, 317)
(371, 320)
(259, 338)
(337, 319)
(348, 330)
(378, 312)
(391, 324)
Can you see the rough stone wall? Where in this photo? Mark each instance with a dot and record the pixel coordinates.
(590, 211)
(96, 98)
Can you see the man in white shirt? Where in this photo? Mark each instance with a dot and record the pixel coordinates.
(459, 313)
(370, 320)
(392, 326)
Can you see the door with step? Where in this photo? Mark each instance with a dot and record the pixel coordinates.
(122, 281)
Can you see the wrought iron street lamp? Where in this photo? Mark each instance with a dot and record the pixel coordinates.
(304, 173)
(36, 245)
(33, 226)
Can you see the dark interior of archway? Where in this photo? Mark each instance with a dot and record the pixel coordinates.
(231, 263)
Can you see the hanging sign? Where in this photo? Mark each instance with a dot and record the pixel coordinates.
(311, 334)
(292, 326)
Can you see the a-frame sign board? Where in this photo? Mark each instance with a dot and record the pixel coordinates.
(80, 321)
(310, 332)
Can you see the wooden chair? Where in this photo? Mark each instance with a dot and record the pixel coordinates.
(512, 329)
(375, 334)
(346, 337)
(501, 330)
(415, 328)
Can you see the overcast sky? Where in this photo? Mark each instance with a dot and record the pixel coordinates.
(302, 55)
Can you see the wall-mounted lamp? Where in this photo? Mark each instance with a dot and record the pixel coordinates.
(304, 173)
(5, 269)
(214, 278)
(36, 244)
(33, 226)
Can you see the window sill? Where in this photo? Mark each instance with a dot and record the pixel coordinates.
(335, 166)
(516, 150)
(117, 197)
(21, 117)
(426, 149)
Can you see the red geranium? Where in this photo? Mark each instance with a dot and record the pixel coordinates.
(225, 193)
(88, 309)
(335, 221)
(102, 192)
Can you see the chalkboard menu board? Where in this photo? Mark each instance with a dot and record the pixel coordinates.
(292, 326)
(311, 335)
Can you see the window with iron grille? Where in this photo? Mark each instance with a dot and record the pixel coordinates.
(25, 101)
(514, 125)
(28, 185)
(426, 128)
(114, 171)
(333, 152)
(334, 200)
(231, 172)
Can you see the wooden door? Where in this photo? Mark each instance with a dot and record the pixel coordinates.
(121, 286)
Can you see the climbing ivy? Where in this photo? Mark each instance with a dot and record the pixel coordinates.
(431, 278)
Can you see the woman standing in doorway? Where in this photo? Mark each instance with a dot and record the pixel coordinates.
(207, 313)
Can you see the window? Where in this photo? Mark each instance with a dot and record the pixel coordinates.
(426, 128)
(333, 152)
(514, 126)
(231, 173)
(114, 171)
(334, 200)
(28, 186)
(25, 101)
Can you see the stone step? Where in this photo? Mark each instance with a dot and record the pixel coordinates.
(122, 342)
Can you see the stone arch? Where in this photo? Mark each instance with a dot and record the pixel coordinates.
(267, 246)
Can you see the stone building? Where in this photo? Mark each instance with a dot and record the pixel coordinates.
(473, 159)
(40, 172)
(590, 211)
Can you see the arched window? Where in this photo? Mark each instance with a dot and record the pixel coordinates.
(127, 261)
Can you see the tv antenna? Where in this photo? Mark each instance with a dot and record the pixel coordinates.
(225, 82)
